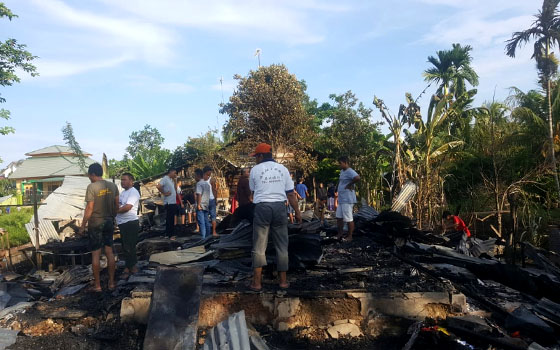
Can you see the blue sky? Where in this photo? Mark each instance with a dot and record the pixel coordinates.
(111, 66)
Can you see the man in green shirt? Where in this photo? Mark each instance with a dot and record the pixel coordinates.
(102, 199)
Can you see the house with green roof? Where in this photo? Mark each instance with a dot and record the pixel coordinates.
(47, 167)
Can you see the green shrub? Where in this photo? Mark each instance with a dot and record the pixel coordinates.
(14, 223)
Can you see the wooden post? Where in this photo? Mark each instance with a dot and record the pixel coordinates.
(9, 250)
(36, 221)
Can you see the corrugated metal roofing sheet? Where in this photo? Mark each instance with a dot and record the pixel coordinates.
(408, 191)
(49, 167)
(67, 202)
(54, 149)
(47, 232)
(231, 334)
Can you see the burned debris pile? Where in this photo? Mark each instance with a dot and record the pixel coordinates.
(393, 287)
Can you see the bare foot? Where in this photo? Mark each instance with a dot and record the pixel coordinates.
(284, 285)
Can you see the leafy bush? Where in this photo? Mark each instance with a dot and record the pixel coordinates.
(14, 223)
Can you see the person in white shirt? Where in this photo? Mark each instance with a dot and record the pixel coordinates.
(212, 206)
(271, 185)
(167, 187)
(346, 197)
(129, 225)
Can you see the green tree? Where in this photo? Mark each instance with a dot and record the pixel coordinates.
(145, 142)
(13, 57)
(267, 107)
(68, 136)
(545, 32)
(349, 130)
(452, 70)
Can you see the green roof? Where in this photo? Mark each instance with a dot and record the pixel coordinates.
(56, 149)
(38, 167)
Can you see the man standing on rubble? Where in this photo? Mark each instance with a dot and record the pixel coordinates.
(167, 187)
(302, 193)
(321, 203)
(129, 225)
(271, 185)
(346, 197)
(212, 206)
(102, 199)
(203, 191)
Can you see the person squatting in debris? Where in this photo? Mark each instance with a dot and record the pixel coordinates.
(346, 197)
(102, 198)
(212, 206)
(203, 191)
(456, 229)
(167, 187)
(129, 225)
(302, 192)
(271, 185)
(244, 198)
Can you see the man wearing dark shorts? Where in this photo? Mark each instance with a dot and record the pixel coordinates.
(102, 199)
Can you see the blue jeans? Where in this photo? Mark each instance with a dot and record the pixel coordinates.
(203, 222)
(212, 209)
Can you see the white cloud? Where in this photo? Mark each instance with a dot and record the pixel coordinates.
(49, 68)
(140, 38)
(287, 21)
(486, 29)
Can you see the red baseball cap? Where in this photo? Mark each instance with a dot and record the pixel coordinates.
(261, 148)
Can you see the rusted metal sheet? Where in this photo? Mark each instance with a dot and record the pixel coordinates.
(173, 319)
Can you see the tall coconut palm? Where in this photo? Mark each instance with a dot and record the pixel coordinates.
(545, 32)
(452, 70)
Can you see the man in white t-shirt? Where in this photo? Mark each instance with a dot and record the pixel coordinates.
(167, 187)
(127, 219)
(212, 206)
(346, 197)
(271, 185)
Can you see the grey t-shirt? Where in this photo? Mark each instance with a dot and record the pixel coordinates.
(204, 189)
(346, 196)
(168, 186)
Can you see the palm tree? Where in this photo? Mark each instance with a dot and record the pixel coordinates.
(452, 70)
(545, 31)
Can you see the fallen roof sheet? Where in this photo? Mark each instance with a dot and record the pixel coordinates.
(67, 202)
(175, 257)
(47, 232)
(231, 334)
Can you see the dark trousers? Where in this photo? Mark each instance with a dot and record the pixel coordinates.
(171, 211)
(270, 219)
(129, 236)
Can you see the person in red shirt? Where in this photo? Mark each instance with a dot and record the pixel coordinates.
(453, 223)
(457, 232)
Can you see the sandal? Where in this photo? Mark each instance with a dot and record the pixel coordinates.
(254, 290)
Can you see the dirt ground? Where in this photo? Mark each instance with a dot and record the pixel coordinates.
(87, 320)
